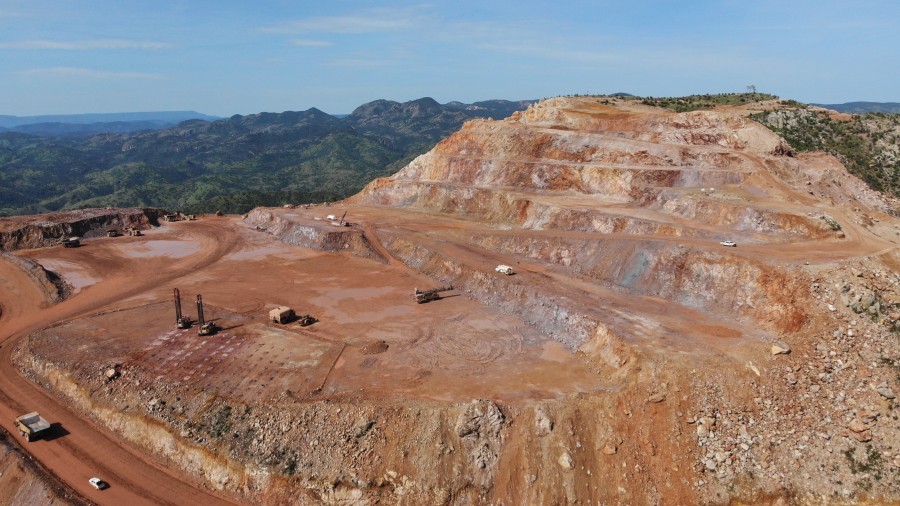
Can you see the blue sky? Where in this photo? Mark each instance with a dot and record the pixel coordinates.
(236, 57)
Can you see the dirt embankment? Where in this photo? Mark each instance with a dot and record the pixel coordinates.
(24, 232)
(25, 482)
(321, 235)
(52, 285)
(339, 451)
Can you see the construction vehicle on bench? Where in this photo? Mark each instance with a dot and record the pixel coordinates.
(423, 296)
(206, 328)
(31, 426)
(341, 222)
(305, 320)
(181, 321)
(71, 242)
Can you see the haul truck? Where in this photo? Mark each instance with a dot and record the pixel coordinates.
(31, 426)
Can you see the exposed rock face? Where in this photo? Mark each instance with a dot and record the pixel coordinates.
(598, 159)
(765, 372)
(23, 232)
(55, 287)
(323, 236)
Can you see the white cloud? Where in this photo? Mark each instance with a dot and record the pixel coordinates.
(311, 43)
(368, 21)
(87, 73)
(81, 45)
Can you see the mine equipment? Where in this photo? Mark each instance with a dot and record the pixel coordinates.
(31, 426)
(306, 320)
(281, 314)
(181, 321)
(112, 233)
(71, 242)
(422, 296)
(342, 223)
(504, 269)
(206, 328)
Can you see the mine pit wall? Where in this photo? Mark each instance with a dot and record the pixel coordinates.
(53, 286)
(94, 224)
(499, 207)
(607, 179)
(533, 306)
(723, 212)
(510, 209)
(322, 237)
(697, 279)
(406, 451)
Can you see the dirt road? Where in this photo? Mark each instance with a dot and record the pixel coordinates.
(78, 448)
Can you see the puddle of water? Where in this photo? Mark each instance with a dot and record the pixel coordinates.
(175, 249)
(73, 273)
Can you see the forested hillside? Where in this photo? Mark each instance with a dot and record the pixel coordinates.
(230, 165)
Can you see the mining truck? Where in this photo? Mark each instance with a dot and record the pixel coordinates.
(423, 296)
(71, 242)
(31, 426)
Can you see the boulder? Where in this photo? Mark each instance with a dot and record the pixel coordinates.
(780, 348)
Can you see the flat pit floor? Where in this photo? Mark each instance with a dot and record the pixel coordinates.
(372, 339)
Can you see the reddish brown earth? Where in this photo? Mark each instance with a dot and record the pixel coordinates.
(627, 360)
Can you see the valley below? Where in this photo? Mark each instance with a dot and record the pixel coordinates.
(695, 315)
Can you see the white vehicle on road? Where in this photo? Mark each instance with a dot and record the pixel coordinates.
(729, 244)
(98, 483)
(504, 269)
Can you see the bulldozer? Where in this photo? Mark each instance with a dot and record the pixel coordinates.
(206, 328)
(181, 321)
(423, 296)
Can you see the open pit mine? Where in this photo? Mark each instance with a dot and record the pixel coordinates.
(591, 302)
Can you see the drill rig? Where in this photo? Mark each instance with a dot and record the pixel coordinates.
(206, 328)
(181, 321)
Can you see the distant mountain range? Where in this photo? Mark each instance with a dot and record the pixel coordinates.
(231, 164)
(863, 107)
(87, 124)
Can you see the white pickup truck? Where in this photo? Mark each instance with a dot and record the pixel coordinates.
(504, 269)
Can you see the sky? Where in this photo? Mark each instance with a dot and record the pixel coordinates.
(227, 57)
